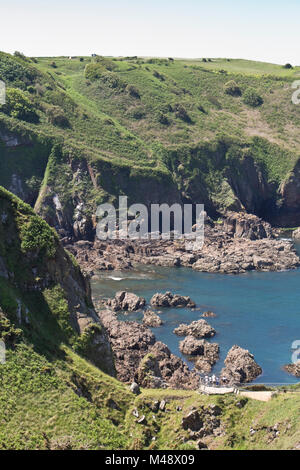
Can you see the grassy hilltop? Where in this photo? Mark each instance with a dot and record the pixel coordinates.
(222, 132)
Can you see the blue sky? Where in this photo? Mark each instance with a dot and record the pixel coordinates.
(266, 30)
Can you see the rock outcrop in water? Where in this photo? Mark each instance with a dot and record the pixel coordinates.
(197, 329)
(293, 369)
(171, 300)
(235, 246)
(126, 301)
(240, 366)
(204, 353)
(138, 356)
(152, 319)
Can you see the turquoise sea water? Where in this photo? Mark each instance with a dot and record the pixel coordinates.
(257, 311)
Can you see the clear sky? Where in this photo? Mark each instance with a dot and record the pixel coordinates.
(266, 30)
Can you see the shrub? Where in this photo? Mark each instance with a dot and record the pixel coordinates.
(137, 113)
(201, 109)
(19, 106)
(288, 66)
(231, 88)
(158, 75)
(163, 119)
(14, 72)
(108, 64)
(38, 237)
(57, 117)
(181, 113)
(93, 71)
(133, 91)
(112, 80)
(252, 98)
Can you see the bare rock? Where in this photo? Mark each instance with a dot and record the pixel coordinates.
(198, 329)
(152, 319)
(192, 421)
(293, 369)
(134, 388)
(126, 301)
(208, 315)
(171, 300)
(206, 354)
(240, 366)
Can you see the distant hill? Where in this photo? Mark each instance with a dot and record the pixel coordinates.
(222, 132)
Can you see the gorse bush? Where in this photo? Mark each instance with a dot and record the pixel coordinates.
(16, 73)
(252, 98)
(231, 88)
(112, 80)
(133, 91)
(106, 63)
(37, 237)
(94, 71)
(57, 117)
(19, 106)
(181, 113)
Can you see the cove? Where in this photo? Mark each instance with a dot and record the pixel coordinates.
(259, 311)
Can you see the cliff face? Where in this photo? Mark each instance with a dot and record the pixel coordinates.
(42, 290)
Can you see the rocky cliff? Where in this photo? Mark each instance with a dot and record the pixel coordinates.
(42, 290)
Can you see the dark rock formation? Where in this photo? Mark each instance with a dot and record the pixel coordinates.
(171, 300)
(240, 366)
(126, 301)
(242, 225)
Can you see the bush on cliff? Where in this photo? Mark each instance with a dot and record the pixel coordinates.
(19, 106)
(252, 98)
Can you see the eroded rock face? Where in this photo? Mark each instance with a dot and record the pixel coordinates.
(197, 329)
(130, 342)
(126, 301)
(152, 319)
(171, 300)
(139, 357)
(242, 225)
(240, 366)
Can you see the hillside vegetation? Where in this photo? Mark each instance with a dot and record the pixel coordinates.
(85, 130)
(57, 389)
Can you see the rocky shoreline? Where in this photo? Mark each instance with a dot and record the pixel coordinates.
(238, 244)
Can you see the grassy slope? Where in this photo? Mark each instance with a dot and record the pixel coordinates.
(41, 409)
(108, 125)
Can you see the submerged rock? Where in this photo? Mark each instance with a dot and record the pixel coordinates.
(198, 329)
(240, 366)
